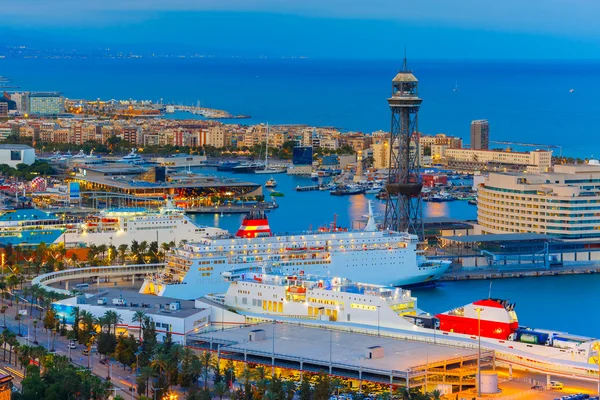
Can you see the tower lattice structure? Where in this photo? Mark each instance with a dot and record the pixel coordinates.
(403, 208)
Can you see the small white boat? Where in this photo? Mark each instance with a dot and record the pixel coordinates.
(271, 183)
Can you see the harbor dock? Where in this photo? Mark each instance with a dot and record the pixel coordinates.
(232, 209)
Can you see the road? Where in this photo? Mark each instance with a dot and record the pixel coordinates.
(121, 378)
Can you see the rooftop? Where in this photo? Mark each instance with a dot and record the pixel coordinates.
(347, 348)
(136, 301)
(505, 237)
(15, 147)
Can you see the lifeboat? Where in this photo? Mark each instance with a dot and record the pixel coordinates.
(295, 248)
(258, 279)
(105, 220)
(70, 226)
(297, 289)
(318, 248)
(92, 224)
(292, 278)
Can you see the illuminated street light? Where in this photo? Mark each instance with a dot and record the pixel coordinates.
(479, 310)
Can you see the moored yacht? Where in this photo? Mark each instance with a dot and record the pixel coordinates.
(132, 158)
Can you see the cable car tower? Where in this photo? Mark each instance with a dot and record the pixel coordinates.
(403, 207)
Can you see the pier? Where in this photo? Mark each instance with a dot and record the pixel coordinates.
(232, 209)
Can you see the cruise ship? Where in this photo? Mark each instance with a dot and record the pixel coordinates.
(381, 257)
(29, 227)
(123, 225)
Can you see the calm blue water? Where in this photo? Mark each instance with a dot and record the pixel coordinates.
(524, 101)
(301, 211)
(562, 303)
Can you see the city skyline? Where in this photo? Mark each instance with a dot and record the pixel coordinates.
(459, 30)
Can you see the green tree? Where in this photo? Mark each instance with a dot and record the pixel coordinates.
(305, 389)
(322, 387)
(139, 317)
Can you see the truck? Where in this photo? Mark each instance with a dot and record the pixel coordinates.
(530, 336)
(564, 341)
(119, 302)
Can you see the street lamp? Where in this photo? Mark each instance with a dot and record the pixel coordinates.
(478, 310)
(156, 389)
(378, 334)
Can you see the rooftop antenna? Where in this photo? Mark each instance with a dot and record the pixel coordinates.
(405, 66)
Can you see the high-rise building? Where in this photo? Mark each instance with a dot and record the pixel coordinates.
(3, 109)
(45, 103)
(480, 134)
(22, 101)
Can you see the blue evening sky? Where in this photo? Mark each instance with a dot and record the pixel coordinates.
(554, 29)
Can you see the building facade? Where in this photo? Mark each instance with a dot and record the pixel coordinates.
(45, 103)
(533, 161)
(15, 154)
(480, 134)
(564, 203)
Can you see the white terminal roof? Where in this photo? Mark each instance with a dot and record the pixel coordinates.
(347, 348)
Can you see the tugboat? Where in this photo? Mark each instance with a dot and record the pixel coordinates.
(271, 183)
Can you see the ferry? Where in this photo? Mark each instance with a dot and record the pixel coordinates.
(271, 183)
(380, 257)
(313, 297)
(123, 225)
(495, 322)
(132, 158)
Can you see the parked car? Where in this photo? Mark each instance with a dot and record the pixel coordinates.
(556, 385)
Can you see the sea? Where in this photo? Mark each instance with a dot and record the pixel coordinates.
(541, 103)
(537, 102)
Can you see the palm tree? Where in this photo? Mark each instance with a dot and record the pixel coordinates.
(113, 318)
(143, 249)
(220, 389)
(435, 394)
(262, 382)
(12, 342)
(146, 373)
(165, 248)
(76, 314)
(159, 363)
(207, 362)
(122, 251)
(24, 356)
(35, 322)
(139, 316)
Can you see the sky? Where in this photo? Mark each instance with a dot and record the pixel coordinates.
(373, 29)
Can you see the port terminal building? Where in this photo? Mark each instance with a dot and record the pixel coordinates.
(154, 184)
(356, 356)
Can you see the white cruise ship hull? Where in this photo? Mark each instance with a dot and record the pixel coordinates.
(398, 267)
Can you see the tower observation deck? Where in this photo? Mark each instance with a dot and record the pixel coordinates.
(403, 208)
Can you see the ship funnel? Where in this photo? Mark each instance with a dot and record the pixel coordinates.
(255, 224)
